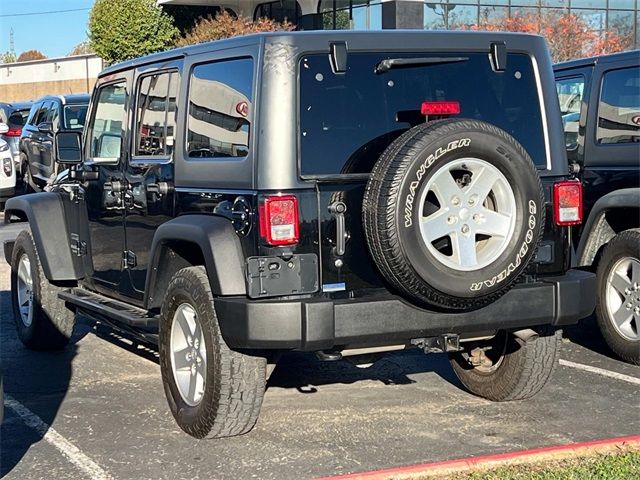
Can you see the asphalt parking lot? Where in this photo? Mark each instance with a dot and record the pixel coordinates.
(97, 410)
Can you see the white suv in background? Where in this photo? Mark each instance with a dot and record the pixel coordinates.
(7, 171)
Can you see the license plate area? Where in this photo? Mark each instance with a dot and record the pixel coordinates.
(276, 276)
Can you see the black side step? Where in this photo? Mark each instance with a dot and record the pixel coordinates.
(96, 305)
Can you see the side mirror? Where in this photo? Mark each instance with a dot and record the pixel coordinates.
(68, 147)
(45, 127)
(4, 128)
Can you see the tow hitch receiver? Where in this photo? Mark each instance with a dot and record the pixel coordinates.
(449, 342)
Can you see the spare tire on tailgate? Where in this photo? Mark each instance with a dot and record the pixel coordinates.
(453, 212)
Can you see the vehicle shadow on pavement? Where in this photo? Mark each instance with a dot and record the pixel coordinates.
(307, 374)
(587, 334)
(37, 380)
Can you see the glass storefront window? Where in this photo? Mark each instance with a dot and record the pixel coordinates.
(621, 23)
(555, 3)
(588, 4)
(526, 3)
(622, 4)
(449, 16)
(596, 20)
(492, 15)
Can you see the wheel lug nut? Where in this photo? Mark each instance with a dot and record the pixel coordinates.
(465, 229)
(629, 305)
(451, 220)
(473, 200)
(455, 201)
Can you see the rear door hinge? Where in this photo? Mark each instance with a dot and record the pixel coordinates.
(78, 247)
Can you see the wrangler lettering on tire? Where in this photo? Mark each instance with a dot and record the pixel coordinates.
(453, 212)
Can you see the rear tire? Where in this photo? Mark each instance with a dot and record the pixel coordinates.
(519, 368)
(618, 287)
(228, 386)
(43, 321)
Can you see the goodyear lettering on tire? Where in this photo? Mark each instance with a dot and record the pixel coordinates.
(517, 261)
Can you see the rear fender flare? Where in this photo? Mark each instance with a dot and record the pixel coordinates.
(597, 230)
(219, 245)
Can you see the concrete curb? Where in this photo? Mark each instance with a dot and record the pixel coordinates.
(486, 462)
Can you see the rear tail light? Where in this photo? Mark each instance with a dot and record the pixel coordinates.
(567, 203)
(279, 220)
(440, 108)
(14, 132)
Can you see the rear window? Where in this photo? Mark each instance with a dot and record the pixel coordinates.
(15, 118)
(347, 120)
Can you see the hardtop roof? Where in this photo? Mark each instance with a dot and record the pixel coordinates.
(609, 58)
(378, 39)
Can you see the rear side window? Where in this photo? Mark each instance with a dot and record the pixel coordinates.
(156, 114)
(619, 107)
(220, 109)
(347, 120)
(570, 92)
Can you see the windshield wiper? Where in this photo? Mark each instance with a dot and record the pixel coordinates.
(389, 63)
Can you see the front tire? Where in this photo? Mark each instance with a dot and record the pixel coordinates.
(212, 391)
(618, 301)
(43, 321)
(513, 369)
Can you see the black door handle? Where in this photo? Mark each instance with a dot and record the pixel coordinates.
(338, 209)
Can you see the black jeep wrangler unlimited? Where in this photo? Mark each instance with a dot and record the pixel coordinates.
(332, 192)
(600, 106)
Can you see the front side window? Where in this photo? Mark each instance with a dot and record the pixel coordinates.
(570, 92)
(156, 114)
(220, 109)
(348, 120)
(619, 107)
(109, 122)
(75, 116)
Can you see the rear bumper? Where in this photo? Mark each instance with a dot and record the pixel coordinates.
(7, 192)
(315, 324)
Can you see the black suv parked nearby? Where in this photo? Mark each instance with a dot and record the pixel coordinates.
(48, 116)
(600, 103)
(334, 192)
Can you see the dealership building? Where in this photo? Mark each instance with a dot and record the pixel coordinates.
(619, 16)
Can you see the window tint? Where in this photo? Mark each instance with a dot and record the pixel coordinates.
(570, 92)
(33, 113)
(108, 122)
(18, 118)
(619, 107)
(156, 114)
(348, 120)
(220, 108)
(41, 113)
(52, 113)
(75, 116)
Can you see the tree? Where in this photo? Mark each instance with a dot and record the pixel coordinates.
(124, 29)
(343, 22)
(8, 57)
(31, 55)
(224, 25)
(83, 48)
(568, 35)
